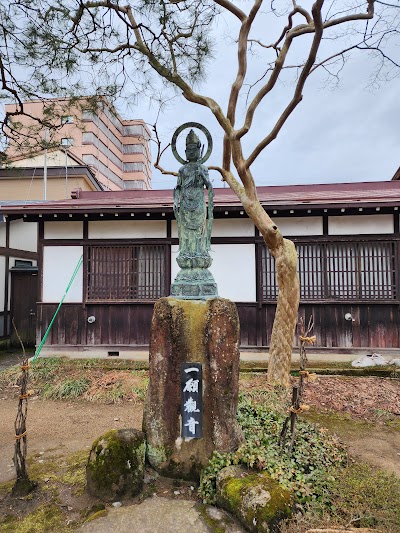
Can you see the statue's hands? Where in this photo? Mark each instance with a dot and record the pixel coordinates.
(176, 201)
(207, 181)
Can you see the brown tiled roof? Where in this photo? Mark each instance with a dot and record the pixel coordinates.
(298, 196)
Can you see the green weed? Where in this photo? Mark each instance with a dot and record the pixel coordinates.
(69, 388)
(316, 453)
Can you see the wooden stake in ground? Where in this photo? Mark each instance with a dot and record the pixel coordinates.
(23, 485)
(298, 389)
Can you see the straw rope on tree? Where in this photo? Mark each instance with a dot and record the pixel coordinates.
(23, 485)
(297, 407)
(280, 352)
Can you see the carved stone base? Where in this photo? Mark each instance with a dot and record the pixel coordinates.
(194, 284)
(192, 332)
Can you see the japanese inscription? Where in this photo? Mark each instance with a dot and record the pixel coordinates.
(192, 403)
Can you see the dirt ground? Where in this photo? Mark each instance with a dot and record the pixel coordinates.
(365, 415)
(369, 421)
(60, 427)
(364, 412)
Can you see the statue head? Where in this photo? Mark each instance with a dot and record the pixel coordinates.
(193, 146)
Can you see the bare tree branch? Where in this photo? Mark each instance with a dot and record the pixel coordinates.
(160, 153)
(297, 97)
(229, 6)
(241, 73)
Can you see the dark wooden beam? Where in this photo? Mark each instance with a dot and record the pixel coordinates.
(6, 329)
(14, 252)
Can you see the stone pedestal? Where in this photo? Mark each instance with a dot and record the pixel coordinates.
(194, 284)
(197, 332)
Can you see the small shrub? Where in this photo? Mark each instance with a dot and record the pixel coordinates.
(304, 471)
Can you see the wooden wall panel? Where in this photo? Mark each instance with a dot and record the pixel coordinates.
(248, 324)
(118, 324)
(375, 326)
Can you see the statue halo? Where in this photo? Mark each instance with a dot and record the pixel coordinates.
(198, 126)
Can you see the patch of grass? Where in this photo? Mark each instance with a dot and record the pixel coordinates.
(70, 470)
(44, 518)
(117, 393)
(105, 364)
(6, 487)
(75, 473)
(334, 420)
(84, 363)
(40, 370)
(359, 495)
(44, 472)
(10, 376)
(69, 388)
(116, 386)
(141, 389)
(45, 367)
(367, 496)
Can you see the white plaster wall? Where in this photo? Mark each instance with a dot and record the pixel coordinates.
(299, 226)
(2, 281)
(2, 233)
(234, 270)
(23, 235)
(63, 230)
(360, 224)
(226, 228)
(127, 229)
(59, 263)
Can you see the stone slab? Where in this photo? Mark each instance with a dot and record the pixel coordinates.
(161, 515)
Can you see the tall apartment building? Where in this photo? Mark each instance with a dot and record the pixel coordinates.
(115, 149)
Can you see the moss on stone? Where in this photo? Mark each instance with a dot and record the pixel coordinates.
(255, 499)
(194, 318)
(183, 469)
(157, 454)
(215, 526)
(116, 464)
(98, 514)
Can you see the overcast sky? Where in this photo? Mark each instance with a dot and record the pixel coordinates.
(346, 133)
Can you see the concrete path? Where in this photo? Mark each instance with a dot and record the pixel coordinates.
(160, 515)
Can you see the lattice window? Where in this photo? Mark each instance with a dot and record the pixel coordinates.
(338, 271)
(126, 273)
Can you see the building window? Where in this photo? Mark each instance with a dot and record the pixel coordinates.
(67, 141)
(338, 270)
(68, 119)
(21, 263)
(126, 273)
